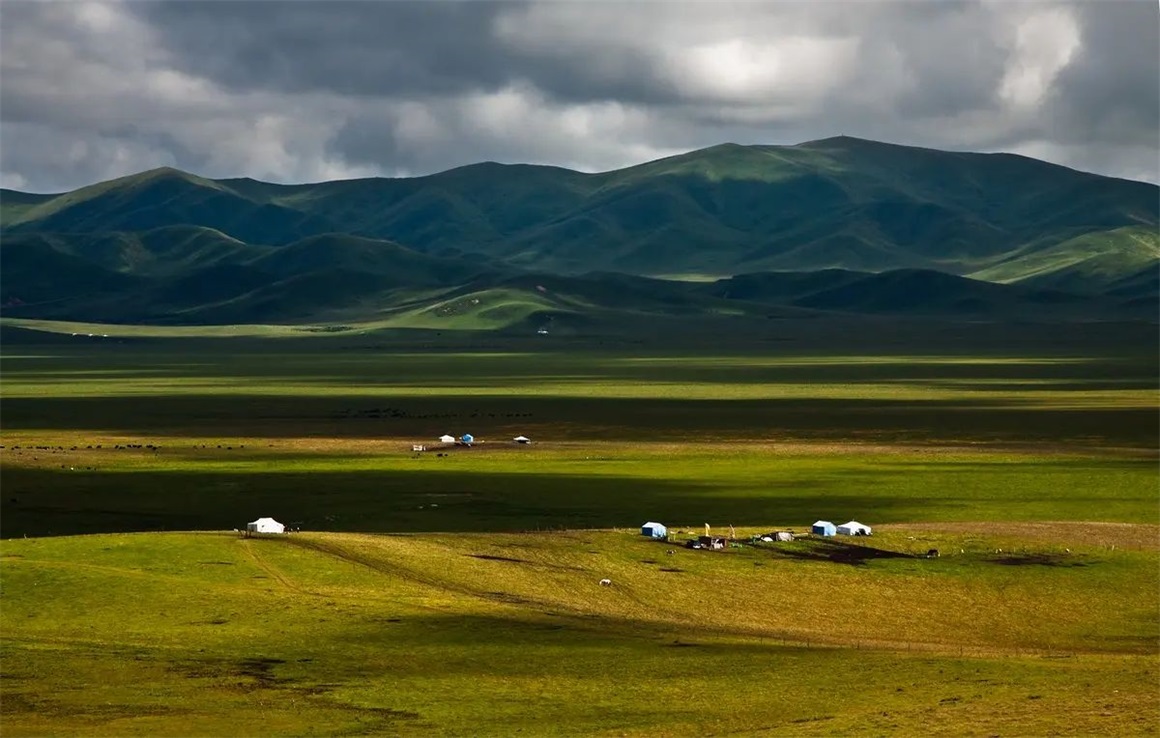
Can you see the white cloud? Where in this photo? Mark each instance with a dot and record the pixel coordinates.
(796, 72)
(1045, 42)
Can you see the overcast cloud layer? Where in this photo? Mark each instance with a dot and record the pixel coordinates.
(307, 91)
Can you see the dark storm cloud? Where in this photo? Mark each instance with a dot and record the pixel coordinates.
(379, 48)
(1114, 89)
(955, 62)
(358, 48)
(294, 91)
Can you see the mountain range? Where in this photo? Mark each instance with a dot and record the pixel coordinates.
(838, 225)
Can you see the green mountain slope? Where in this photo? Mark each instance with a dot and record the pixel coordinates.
(171, 250)
(1086, 263)
(167, 197)
(37, 278)
(14, 205)
(165, 245)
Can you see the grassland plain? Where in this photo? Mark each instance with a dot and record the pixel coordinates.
(1034, 474)
(497, 634)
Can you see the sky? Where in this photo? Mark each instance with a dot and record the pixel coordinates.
(305, 90)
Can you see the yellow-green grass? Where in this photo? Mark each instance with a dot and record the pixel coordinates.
(483, 310)
(115, 330)
(255, 389)
(1104, 255)
(490, 631)
(484, 634)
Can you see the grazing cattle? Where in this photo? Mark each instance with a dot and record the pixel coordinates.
(605, 582)
(932, 554)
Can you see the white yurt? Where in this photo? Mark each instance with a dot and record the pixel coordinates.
(853, 528)
(265, 525)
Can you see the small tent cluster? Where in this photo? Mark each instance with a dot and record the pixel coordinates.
(466, 439)
(853, 528)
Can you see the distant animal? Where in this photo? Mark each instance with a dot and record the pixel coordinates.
(605, 582)
(932, 554)
(670, 552)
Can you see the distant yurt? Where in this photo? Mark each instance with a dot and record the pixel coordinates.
(522, 439)
(654, 530)
(265, 525)
(853, 528)
(467, 439)
(446, 439)
(823, 528)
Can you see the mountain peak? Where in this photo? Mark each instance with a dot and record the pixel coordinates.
(147, 178)
(847, 142)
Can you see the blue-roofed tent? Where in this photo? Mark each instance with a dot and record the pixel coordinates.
(824, 528)
(467, 438)
(654, 530)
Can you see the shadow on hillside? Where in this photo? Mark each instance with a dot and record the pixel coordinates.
(38, 502)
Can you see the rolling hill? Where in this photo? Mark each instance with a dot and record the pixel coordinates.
(840, 224)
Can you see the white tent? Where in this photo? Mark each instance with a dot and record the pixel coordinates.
(265, 525)
(446, 439)
(853, 528)
(522, 439)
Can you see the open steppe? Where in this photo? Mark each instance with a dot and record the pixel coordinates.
(458, 594)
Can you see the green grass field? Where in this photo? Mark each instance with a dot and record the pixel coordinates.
(458, 594)
(492, 634)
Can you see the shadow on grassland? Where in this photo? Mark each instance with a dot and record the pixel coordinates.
(587, 418)
(41, 502)
(838, 552)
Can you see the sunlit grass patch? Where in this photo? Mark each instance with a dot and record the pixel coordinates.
(483, 634)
